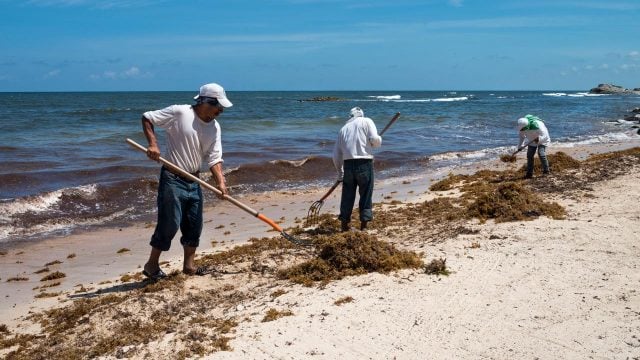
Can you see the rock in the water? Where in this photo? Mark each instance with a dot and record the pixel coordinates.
(607, 89)
(633, 117)
(323, 98)
(613, 89)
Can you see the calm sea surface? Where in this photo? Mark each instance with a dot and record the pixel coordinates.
(64, 163)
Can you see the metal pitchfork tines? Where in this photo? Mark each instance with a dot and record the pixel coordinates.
(314, 210)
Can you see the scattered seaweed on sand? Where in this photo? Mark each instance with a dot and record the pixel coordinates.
(122, 324)
(596, 168)
(277, 293)
(559, 161)
(53, 276)
(47, 295)
(71, 256)
(437, 267)
(350, 253)
(508, 158)
(512, 202)
(54, 262)
(123, 250)
(54, 284)
(117, 325)
(43, 270)
(17, 278)
(343, 300)
(273, 314)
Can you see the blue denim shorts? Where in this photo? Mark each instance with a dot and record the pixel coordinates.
(179, 207)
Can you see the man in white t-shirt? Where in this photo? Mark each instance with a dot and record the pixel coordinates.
(353, 160)
(193, 137)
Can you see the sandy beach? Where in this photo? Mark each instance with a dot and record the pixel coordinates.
(545, 288)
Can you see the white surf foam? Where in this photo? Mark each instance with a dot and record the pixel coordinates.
(461, 98)
(578, 94)
(42, 202)
(386, 97)
(58, 226)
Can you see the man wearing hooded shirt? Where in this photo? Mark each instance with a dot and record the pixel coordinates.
(533, 132)
(193, 137)
(353, 160)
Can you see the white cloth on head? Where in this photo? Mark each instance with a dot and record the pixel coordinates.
(522, 122)
(537, 130)
(189, 139)
(356, 112)
(356, 140)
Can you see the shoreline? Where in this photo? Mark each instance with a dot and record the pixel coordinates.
(224, 223)
(436, 165)
(97, 259)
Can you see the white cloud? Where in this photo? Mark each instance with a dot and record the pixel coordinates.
(635, 55)
(130, 73)
(456, 3)
(52, 73)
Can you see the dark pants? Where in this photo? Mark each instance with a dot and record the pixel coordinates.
(531, 152)
(358, 174)
(179, 206)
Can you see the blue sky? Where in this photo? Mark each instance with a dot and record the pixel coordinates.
(120, 45)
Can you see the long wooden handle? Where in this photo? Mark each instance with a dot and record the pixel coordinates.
(335, 185)
(523, 147)
(395, 117)
(210, 187)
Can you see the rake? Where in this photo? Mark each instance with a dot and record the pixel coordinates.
(235, 202)
(512, 157)
(314, 211)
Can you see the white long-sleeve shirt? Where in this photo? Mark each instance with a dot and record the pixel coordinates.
(535, 129)
(356, 140)
(189, 139)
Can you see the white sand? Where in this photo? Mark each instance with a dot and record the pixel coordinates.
(540, 289)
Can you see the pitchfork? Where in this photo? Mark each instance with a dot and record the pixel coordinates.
(314, 211)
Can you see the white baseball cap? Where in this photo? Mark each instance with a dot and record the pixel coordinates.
(214, 90)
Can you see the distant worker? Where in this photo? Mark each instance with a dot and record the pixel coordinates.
(193, 138)
(533, 132)
(353, 160)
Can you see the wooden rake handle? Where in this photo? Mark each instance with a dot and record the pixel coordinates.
(335, 185)
(395, 117)
(524, 147)
(210, 187)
